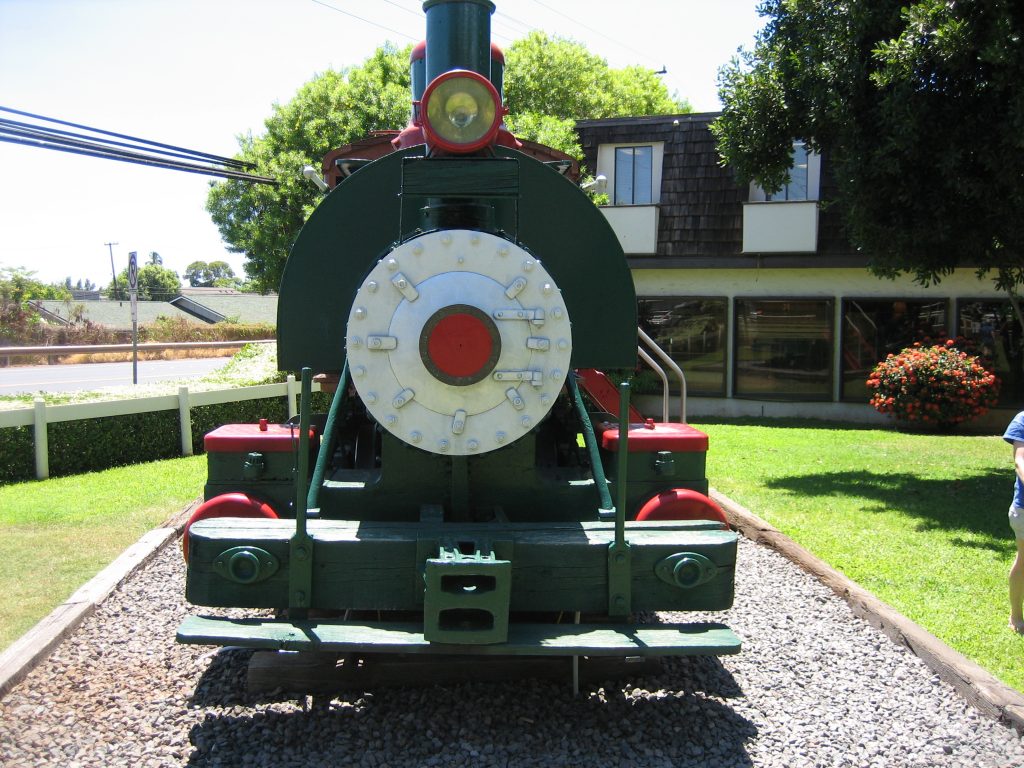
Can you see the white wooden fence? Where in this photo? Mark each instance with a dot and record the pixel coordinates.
(41, 414)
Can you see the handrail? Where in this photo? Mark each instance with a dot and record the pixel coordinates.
(668, 361)
(328, 440)
(606, 509)
(664, 381)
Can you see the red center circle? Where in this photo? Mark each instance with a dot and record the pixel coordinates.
(460, 345)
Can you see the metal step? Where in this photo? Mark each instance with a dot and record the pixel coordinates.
(698, 639)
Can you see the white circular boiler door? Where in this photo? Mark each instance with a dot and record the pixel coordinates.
(458, 342)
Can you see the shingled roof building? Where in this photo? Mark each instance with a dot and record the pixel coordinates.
(760, 298)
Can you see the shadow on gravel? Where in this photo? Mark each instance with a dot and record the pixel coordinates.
(223, 683)
(677, 717)
(963, 504)
(478, 724)
(704, 674)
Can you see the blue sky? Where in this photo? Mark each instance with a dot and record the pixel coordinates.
(198, 73)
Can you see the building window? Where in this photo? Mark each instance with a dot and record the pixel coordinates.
(693, 333)
(804, 179)
(796, 187)
(997, 339)
(634, 174)
(874, 328)
(784, 349)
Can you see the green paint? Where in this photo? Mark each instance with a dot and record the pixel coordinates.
(606, 509)
(300, 545)
(367, 214)
(246, 565)
(330, 439)
(366, 565)
(686, 570)
(523, 639)
(620, 584)
(466, 596)
(458, 36)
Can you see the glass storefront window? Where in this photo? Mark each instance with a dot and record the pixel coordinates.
(994, 329)
(784, 348)
(693, 333)
(874, 328)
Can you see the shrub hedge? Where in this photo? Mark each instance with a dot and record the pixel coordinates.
(94, 444)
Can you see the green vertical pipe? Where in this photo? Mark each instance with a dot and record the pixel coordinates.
(623, 457)
(302, 464)
(590, 440)
(328, 441)
(300, 547)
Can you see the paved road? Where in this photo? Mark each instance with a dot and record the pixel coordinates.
(69, 378)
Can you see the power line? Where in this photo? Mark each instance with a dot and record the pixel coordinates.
(137, 159)
(17, 128)
(367, 21)
(417, 14)
(595, 31)
(196, 153)
(134, 150)
(506, 19)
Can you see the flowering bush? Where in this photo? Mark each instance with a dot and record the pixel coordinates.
(937, 386)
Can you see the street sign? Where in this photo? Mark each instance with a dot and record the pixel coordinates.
(133, 290)
(133, 272)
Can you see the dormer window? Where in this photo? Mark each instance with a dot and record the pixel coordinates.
(785, 221)
(633, 172)
(804, 175)
(796, 188)
(633, 175)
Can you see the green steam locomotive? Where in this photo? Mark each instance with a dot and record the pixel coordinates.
(477, 485)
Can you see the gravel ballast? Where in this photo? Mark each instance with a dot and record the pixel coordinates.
(814, 686)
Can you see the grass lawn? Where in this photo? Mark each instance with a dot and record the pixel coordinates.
(919, 520)
(59, 533)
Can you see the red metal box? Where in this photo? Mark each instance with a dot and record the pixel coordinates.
(249, 438)
(652, 436)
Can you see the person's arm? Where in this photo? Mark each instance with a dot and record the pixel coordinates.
(1018, 458)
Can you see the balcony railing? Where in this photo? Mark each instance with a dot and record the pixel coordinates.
(635, 225)
(780, 227)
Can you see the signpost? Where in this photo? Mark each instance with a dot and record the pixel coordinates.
(133, 290)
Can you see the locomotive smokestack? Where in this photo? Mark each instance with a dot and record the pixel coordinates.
(458, 36)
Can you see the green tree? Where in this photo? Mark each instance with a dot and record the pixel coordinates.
(79, 285)
(556, 77)
(156, 283)
(549, 84)
(334, 108)
(919, 108)
(155, 259)
(18, 288)
(201, 274)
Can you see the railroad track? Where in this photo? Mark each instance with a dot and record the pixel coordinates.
(814, 686)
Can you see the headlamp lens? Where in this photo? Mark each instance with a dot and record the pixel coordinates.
(461, 110)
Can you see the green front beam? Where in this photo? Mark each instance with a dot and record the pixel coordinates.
(523, 639)
(379, 566)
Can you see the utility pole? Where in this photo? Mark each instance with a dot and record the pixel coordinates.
(113, 271)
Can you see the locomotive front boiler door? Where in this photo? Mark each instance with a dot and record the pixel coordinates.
(458, 342)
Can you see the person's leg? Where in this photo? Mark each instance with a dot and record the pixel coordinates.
(1017, 590)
